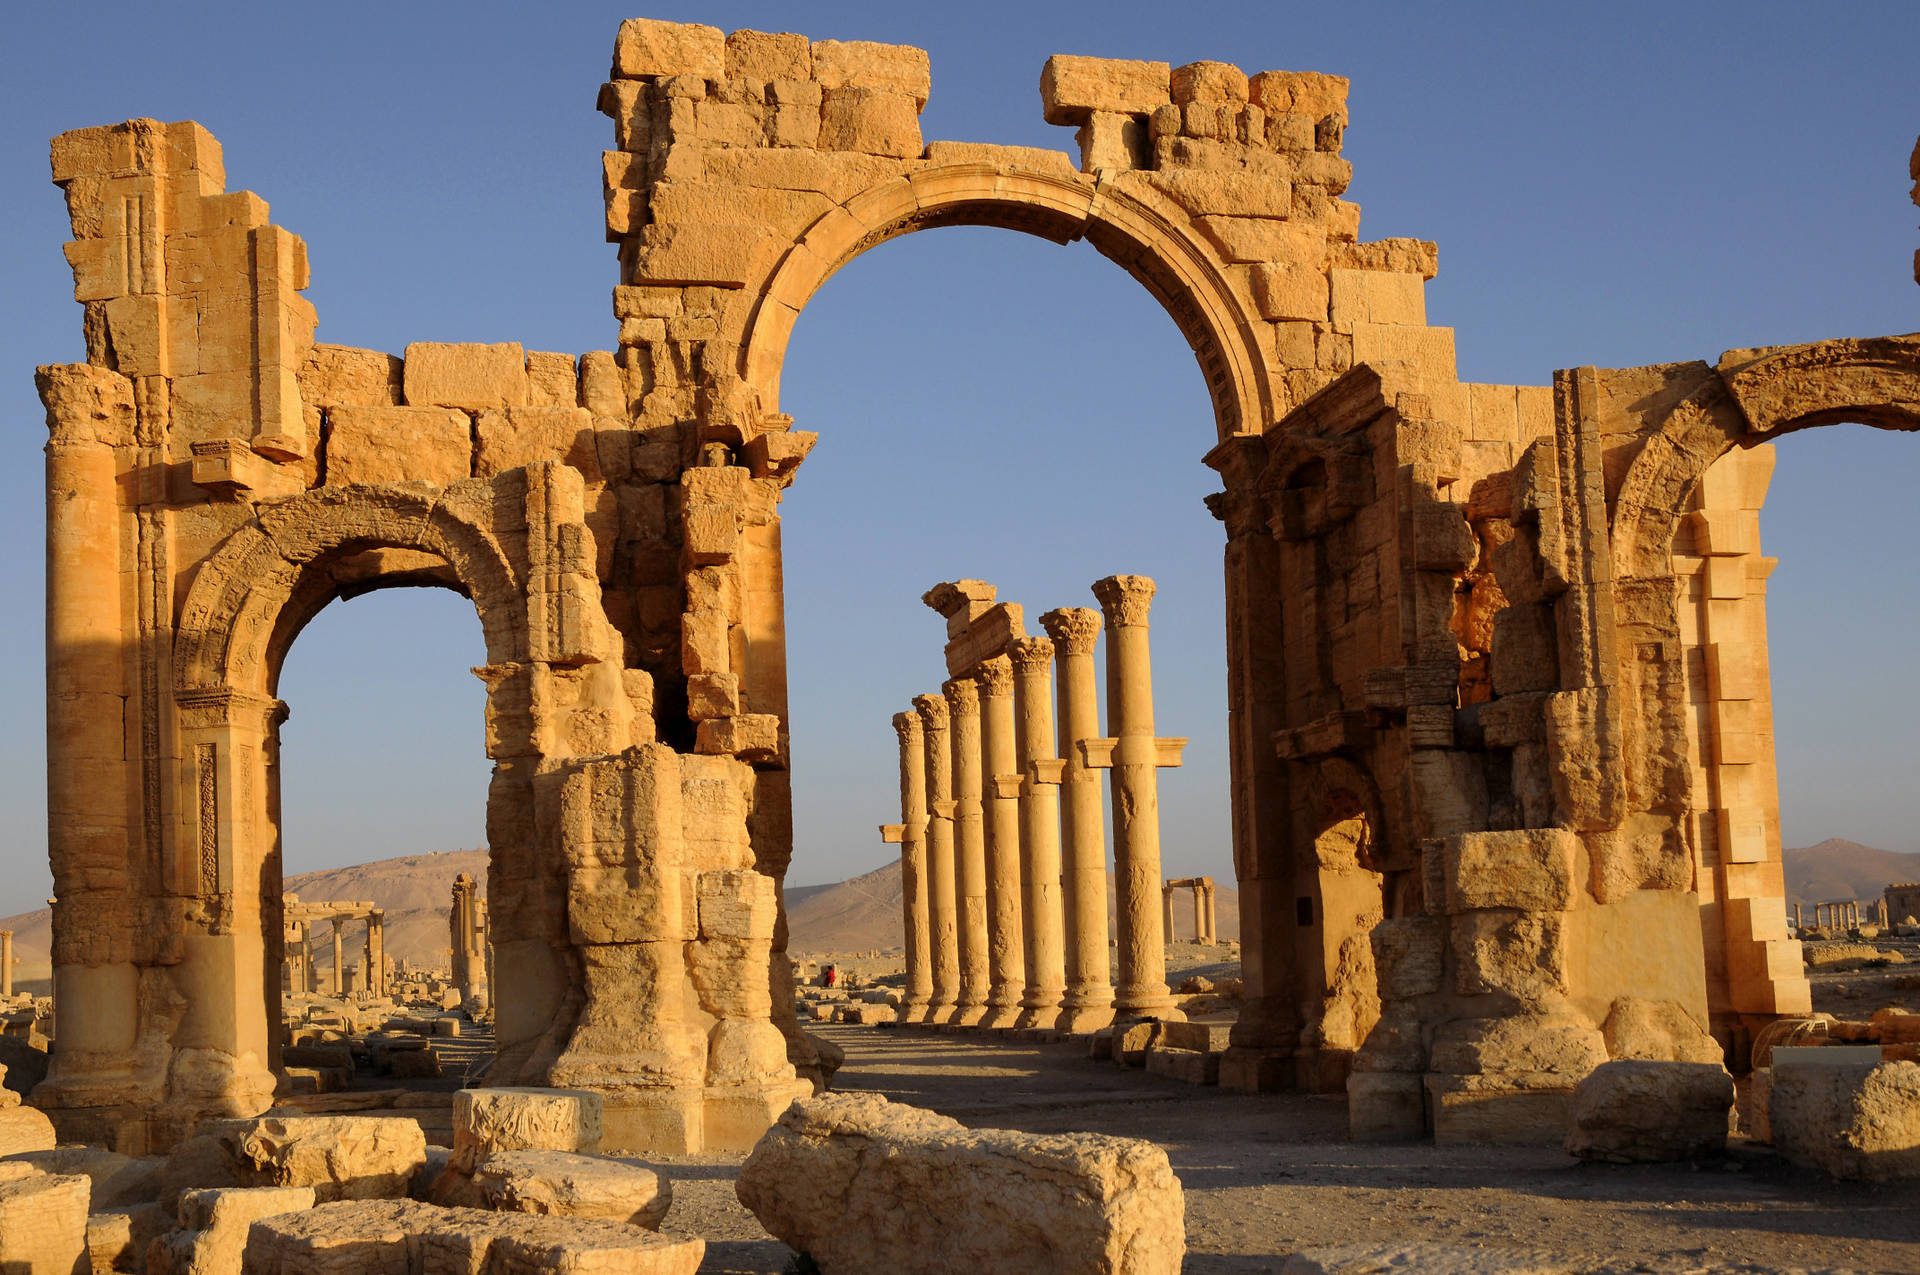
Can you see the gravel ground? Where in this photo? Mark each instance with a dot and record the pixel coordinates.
(1268, 1175)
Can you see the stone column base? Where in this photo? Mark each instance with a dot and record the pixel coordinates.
(1079, 1020)
(1322, 1070)
(966, 1015)
(734, 1118)
(911, 1013)
(1039, 1017)
(1386, 1106)
(1526, 1109)
(1007, 1016)
(654, 1121)
(1250, 1070)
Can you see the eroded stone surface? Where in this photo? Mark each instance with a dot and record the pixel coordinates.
(561, 1184)
(853, 1180)
(1638, 1110)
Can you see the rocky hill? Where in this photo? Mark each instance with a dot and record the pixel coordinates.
(1838, 869)
(864, 913)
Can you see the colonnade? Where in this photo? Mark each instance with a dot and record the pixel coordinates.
(469, 937)
(1205, 923)
(1002, 834)
(301, 974)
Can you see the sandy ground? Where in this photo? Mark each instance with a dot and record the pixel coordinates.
(1268, 1175)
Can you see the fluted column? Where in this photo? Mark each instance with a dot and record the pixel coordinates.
(1136, 799)
(339, 959)
(915, 923)
(1088, 1002)
(1006, 942)
(942, 877)
(1039, 832)
(969, 847)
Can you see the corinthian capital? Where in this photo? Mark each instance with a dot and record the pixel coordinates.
(1074, 630)
(1031, 655)
(963, 697)
(994, 676)
(1125, 599)
(906, 726)
(932, 710)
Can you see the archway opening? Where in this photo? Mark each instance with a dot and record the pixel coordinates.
(1799, 719)
(996, 407)
(377, 792)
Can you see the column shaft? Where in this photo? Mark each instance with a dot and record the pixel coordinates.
(1039, 832)
(1136, 799)
(377, 953)
(1006, 942)
(339, 961)
(942, 895)
(1088, 1002)
(915, 922)
(6, 962)
(970, 848)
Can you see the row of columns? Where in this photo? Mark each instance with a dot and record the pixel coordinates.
(1003, 843)
(1205, 923)
(468, 934)
(301, 974)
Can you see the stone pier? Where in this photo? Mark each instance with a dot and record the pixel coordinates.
(1135, 760)
(1088, 1002)
(915, 920)
(1039, 787)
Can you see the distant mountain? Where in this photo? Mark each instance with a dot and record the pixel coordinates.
(1837, 869)
(413, 890)
(863, 913)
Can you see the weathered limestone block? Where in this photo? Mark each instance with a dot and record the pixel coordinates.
(117, 1179)
(523, 435)
(119, 1239)
(403, 1236)
(341, 376)
(762, 56)
(1521, 955)
(1072, 88)
(1530, 869)
(563, 1184)
(469, 376)
(832, 1177)
(897, 68)
(870, 121)
(340, 1157)
(1858, 1121)
(1208, 84)
(398, 444)
(43, 1225)
(1657, 1030)
(214, 1228)
(1560, 1045)
(1638, 1110)
(25, 1128)
(650, 47)
(486, 1121)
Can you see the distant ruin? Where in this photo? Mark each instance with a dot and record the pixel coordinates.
(1501, 728)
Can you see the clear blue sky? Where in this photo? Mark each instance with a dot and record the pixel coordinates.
(1615, 185)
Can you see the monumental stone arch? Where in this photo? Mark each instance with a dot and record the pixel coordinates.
(1502, 785)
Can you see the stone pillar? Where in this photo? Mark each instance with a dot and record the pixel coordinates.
(1136, 799)
(942, 892)
(6, 963)
(1039, 832)
(1200, 888)
(480, 956)
(1006, 942)
(1166, 908)
(916, 922)
(377, 952)
(312, 980)
(459, 924)
(1088, 1003)
(969, 848)
(1213, 917)
(339, 960)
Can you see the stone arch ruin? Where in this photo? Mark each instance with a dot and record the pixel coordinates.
(1453, 611)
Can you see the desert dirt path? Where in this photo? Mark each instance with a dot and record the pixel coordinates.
(1268, 1175)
